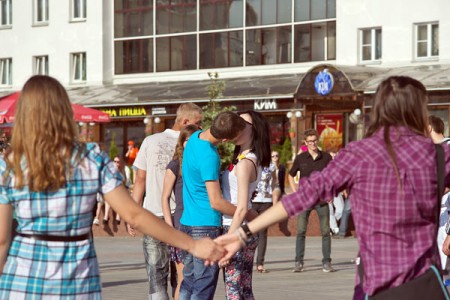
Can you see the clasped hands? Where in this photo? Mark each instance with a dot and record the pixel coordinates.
(220, 250)
(211, 251)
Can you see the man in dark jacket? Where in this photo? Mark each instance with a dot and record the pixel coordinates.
(305, 163)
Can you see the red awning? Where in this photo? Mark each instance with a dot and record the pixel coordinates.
(80, 112)
(85, 114)
(8, 107)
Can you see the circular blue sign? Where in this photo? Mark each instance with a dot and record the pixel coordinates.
(324, 82)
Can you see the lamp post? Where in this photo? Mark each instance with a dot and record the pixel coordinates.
(294, 117)
(357, 119)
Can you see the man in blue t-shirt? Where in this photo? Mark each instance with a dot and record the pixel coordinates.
(203, 201)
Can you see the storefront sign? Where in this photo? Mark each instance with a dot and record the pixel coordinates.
(324, 82)
(329, 128)
(126, 112)
(159, 111)
(265, 104)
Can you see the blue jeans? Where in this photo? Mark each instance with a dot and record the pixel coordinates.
(302, 221)
(344, 219)
(199, 281)
(156, 255)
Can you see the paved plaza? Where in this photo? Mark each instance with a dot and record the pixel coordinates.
(123, 272)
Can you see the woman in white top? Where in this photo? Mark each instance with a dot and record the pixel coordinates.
(238, 185)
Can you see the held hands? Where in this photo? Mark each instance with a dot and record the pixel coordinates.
(208, 250)
(232, 244)
(220, 250)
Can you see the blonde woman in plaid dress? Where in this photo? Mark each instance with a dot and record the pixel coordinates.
(51, 179)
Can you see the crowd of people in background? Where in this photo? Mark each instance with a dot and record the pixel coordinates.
(173, 190)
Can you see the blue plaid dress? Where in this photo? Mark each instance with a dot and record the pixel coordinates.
(57, 270)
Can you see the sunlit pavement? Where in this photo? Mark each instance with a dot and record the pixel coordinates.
(123, 272)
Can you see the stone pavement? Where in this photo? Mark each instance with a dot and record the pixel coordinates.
(123, 272)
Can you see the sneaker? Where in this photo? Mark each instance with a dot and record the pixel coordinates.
(327, 268)
(96, 222)
(298, 267)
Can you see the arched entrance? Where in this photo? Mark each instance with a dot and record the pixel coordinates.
(330, 100)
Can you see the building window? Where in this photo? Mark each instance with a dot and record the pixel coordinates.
(78, 67)
(263, 12)
(176, 16)
(315, 42)
(5, 13)
(307, 10)
(222, 14)
(40, 12)
(427, 40)
(78, 10)
(268, 46)
(176, 53)
(133, 56)
(165, 36)
(5, 71)
(370, 44)
(221, 49)
(40, 64)
(133, 18)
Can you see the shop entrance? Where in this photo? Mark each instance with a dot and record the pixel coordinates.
(119, 133)
(331, 104)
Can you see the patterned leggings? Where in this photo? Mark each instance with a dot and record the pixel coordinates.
(238, 274)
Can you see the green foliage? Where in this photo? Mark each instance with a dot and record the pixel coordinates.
(286, 151)
(211, 110)
(113, 150)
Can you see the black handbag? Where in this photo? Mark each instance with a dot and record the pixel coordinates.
(429, 285)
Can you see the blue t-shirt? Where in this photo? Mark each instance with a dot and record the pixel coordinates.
(201, 163)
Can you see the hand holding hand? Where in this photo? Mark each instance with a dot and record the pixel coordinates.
(207, 250)
(232, 245)
(223, 264)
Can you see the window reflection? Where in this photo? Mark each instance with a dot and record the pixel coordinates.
(307, 10)
(133, 56)
(265, 12)
(221, 49)
(221, 14)
(133, 18)
(176, 16)
(176, 53)
(315, 42)
(268, 46)
(182, 44)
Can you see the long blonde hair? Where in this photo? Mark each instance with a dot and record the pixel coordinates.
(44, 134)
